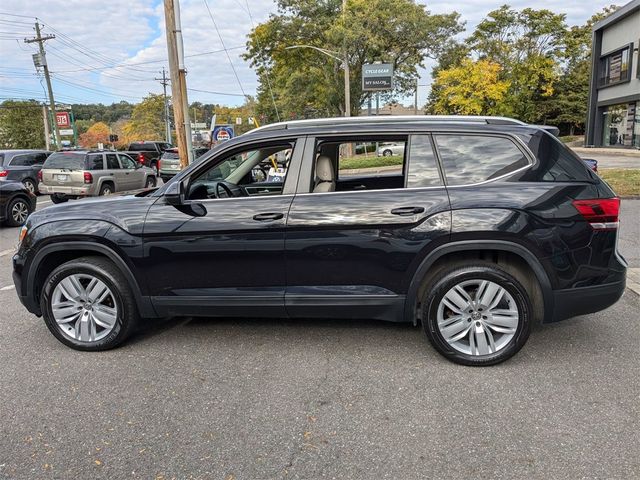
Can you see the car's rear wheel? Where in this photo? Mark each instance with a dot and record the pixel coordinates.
(30, 185)
(17, 212)
(106, 189)
(58, 198)
(477, 315)
(87, 305)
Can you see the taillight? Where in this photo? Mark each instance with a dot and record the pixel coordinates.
(40, 176)
(140, 158)
(158, 164)
(88, 178)
(601, 213)
(3, 173)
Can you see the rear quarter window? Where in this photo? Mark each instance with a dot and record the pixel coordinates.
(562, 164)
(469, 159)
(66, 160)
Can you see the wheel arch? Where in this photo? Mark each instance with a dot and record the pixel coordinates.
(482, 247)
(51, 256)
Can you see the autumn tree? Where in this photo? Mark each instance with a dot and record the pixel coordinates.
(304, 82)
(95, 134)
(472, 88)
(21, 124)
(147, 120)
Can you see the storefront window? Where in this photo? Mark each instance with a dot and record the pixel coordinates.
(615, 126)
(636, 127)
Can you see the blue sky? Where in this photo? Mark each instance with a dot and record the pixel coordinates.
(111, 51)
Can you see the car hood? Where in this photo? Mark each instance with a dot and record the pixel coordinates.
(126, 211)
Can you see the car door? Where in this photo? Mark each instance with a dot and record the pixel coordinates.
(133, 177)
(116, 172)
(225, 255)
(351, 250)
(20, 167)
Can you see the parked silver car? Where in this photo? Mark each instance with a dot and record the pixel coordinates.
(389, 149)
(74, 174)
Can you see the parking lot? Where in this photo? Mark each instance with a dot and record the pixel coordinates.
(269, 399)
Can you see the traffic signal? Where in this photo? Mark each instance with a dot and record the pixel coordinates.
(113, 138)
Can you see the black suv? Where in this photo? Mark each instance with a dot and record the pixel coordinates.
(478, 229)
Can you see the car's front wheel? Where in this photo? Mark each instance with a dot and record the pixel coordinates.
(17, 212)
(477, 315)
(150, 183)
(387, 153)
(87, 304)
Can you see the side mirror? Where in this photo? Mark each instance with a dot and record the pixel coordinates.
(174, 194)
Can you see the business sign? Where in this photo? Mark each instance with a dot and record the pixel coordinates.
(222, 133)
(377, 76)
(63, 120)
(66, 131)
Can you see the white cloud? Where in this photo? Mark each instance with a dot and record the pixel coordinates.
(130, 33)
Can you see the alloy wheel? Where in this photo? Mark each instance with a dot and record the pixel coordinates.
(84, 307)
(19, 212)
(478, 317)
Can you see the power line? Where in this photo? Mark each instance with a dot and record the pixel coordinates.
(225, 48)
(217, 93)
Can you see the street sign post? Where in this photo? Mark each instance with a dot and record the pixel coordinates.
(377, 76)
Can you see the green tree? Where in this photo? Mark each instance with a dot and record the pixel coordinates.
(568, 106)
(21, 124)
(472, 88)
(147, 119)
(304, 82)
(528, 44)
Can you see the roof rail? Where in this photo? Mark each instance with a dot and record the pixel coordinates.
(363, 120)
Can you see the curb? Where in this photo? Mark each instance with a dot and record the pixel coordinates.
(633, 280)
(608, 152)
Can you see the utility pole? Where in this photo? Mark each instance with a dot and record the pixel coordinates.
(47, 134)
(164, 81)
(178, 80)
(42, 61)
(347, 89)
(415, 99)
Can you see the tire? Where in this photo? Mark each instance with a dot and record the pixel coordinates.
(489, 339)
(106, 189)
(154, 167)
(30, 185)
(119, 300)
(150, 183)
(58, 198)
(387, 153)
(18, 210)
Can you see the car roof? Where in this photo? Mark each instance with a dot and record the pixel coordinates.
(19, 150)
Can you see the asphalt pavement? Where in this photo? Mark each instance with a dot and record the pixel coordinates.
(283, 399)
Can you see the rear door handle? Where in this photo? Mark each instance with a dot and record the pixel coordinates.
(405, 211)
(266, 217)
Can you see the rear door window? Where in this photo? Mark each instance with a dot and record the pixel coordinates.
(127, 162)
(423, 169)
(112, 162)
(469, 159)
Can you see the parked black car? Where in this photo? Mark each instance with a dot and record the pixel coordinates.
(486, 226)
(148, 153)
(16, 203)
(22, 166)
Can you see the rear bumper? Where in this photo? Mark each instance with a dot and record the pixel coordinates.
(75, 191)
(581, 301)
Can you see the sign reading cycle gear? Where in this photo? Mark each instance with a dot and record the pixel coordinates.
(377, 76)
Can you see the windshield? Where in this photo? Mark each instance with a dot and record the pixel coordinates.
(141, 147)
(67, 160)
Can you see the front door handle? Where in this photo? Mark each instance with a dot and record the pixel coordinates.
(406, 211)
(267, 217)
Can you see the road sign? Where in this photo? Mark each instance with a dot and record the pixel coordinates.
(66, 131)
(222, 133)
(238, 120)
(63, 120)
(377, 76)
